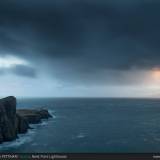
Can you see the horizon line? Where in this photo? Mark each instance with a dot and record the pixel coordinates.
(69, 97)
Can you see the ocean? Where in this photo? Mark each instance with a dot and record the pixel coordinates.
(91, 125)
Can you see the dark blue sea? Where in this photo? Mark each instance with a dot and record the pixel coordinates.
(91, 125)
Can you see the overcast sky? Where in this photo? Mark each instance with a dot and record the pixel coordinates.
(80, 48)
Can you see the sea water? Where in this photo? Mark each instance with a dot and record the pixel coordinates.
(100, 125)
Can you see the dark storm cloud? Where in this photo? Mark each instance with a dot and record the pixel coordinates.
(81, 39)
(20, 70)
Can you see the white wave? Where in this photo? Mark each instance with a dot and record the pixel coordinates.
(81, 135)
(52, 112)
(44, 123)
(35, 126)
(54, 117)
(22, 138)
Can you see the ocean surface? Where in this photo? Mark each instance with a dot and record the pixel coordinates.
(91, 125)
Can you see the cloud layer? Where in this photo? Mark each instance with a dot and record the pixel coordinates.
(83, 41)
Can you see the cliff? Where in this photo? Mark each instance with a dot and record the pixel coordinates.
(14, 121)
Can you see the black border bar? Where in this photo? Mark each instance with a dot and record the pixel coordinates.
(79, 156)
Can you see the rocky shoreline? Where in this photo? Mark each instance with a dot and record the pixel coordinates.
(14, 122)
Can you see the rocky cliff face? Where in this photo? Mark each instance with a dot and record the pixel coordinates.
(21, 124)
(13, 122)
(8, 119)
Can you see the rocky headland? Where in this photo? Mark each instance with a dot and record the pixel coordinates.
(16, 121)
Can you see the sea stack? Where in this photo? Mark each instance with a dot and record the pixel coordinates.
(14, 121)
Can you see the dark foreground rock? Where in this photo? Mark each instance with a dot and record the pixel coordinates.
(14, 121)
(8, 119)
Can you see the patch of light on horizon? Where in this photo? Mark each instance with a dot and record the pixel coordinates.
(10, 61)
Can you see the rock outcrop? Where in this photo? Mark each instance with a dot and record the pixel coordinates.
(14, 121)
(33, 116)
